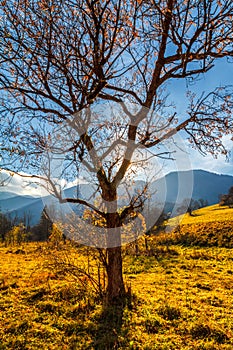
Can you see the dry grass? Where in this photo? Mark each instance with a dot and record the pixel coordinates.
(210, 226)
(182, 301)
(213, 213)
(182, 296)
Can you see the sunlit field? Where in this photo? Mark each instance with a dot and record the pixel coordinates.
(209, 226)
(180, 294)
(213, 213)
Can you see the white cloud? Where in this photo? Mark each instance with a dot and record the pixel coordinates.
(11, 182)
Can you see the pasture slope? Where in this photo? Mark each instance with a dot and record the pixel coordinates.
(181, 288)
(209, 226)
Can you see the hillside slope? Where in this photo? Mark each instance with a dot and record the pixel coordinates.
(209, 226)
(213, 213)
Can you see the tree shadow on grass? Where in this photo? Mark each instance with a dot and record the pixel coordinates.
(111, 333)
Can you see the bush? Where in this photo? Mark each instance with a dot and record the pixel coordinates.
(169, 312)
(227, 199)
(56, 236)
(16, 235)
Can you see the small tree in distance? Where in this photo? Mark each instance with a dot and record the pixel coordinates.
(61, 60)
(227, 199)
(188, 206)
(17, 235)
(5, 225)
(56, 236)
(42, 230)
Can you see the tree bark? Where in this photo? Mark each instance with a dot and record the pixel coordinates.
(115, 287)
(115, 282)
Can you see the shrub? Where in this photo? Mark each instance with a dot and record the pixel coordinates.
(16, 235)
(169, 312)
(204, 331)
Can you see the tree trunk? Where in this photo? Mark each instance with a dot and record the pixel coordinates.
(115, 282)
(115, 287)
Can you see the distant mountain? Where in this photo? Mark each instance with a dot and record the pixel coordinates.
(171, 190)
(7, 195)
(10, 202)
(177, 187)
(206, 185)
(210, 186)
(19, 206)
(29, 207)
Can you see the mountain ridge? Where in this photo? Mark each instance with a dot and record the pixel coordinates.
(206, 185)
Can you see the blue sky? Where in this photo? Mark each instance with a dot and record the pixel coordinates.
(220, 75)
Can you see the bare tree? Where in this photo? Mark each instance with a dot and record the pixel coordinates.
(61, 58)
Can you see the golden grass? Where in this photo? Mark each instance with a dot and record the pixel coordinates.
(182, 300)
(210, 226)
(213, 213)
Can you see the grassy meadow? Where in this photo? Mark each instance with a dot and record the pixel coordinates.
(181, 292)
